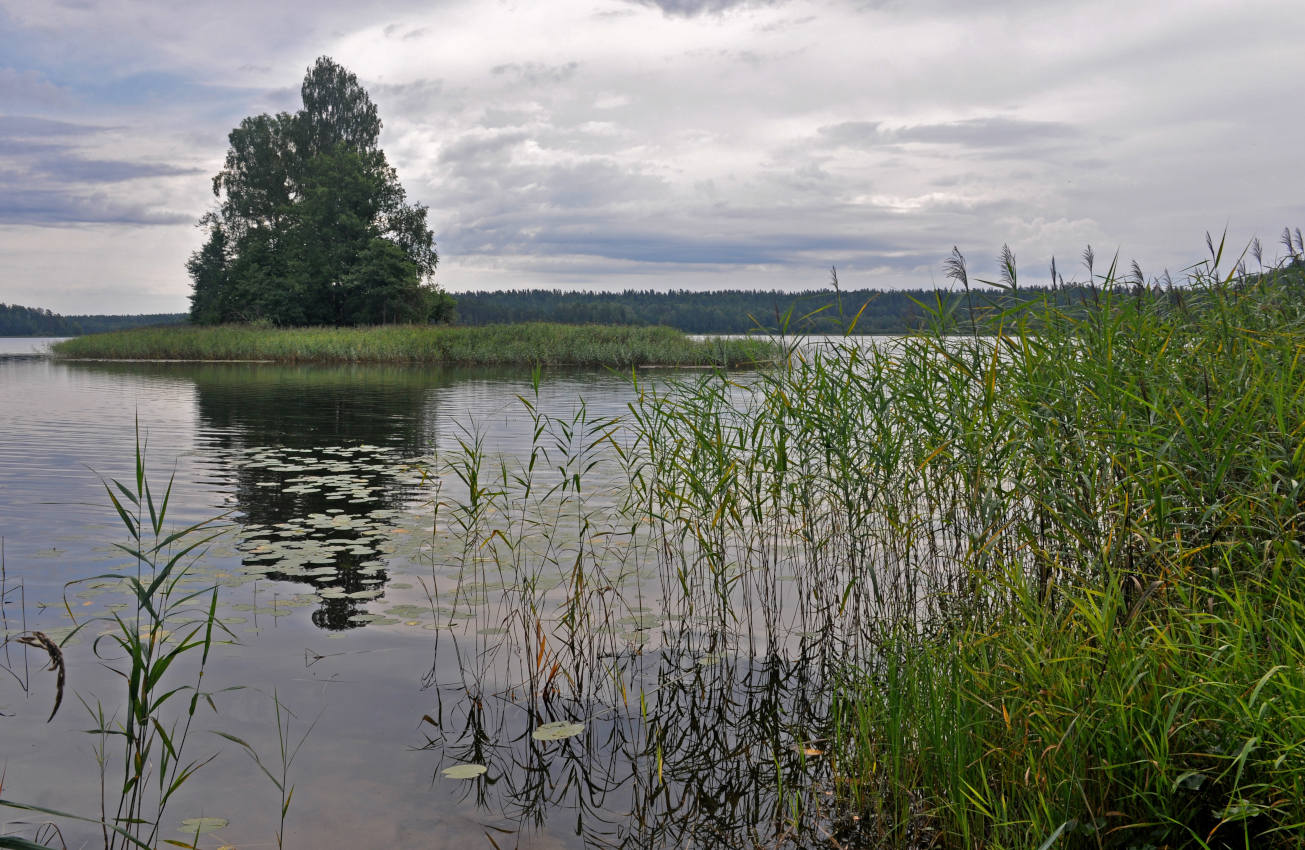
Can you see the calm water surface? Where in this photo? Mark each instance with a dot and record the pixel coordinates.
(360, 594)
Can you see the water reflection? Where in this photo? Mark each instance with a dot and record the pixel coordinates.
(319, 467)
(694, 736)
(699, 748)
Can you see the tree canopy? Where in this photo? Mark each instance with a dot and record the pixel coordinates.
(311, 225)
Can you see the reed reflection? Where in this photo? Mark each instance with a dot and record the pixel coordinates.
(685, 746)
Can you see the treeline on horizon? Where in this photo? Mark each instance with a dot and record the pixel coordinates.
(16, 320)
(825, 311)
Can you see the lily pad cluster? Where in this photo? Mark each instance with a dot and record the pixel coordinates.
(338, 524)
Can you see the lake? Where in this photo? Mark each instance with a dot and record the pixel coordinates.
(425, 566)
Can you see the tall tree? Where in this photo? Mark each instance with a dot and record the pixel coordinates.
(311, 224)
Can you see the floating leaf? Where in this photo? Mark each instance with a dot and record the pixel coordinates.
(408, 611)
(202, 825)
(557, 730)
(464, 771)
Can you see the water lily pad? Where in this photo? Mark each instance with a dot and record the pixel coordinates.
(557, 730)
(202, 825)
(464, 771)
(408, 611)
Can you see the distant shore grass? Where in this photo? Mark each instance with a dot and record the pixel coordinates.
(532, 343)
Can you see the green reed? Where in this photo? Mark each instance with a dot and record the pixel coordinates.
(1113, 652)
(1060, 555)
(534, 343)
(169, 626)
(161, 649)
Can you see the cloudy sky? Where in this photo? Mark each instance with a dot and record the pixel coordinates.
(611, 144)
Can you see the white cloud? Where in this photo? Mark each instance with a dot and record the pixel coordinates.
(606, 143)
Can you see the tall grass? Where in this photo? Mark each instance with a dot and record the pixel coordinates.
(168, 626)
(1061, 556)
(1058, 557)
(537, 343)
(1120, 662)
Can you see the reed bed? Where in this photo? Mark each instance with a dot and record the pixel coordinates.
(1052, 563)
(535, 343)
(1060, 556)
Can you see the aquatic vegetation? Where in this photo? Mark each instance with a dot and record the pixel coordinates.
(463, 771)
(610, 346)
(1054, 564)
(1063, 552)
(556, 730)
(169, 624)
(287, 750)
(1038, 585)
(55, 654)
(160, 649)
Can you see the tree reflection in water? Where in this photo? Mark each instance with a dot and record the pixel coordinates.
(317, 461)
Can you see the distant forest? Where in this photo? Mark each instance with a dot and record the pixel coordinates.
(33, 321)
(863, 311)
(735, 311)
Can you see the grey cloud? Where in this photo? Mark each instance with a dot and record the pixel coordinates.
(692, 8)
(702, 249)
(596, 183)
(40, 146)
(1091, 163)
(697, 240)
(993, 132)
(475, 147)
(606, 212)
(19, 205)
(852, 134)
(418, 98)
(537, 73)
(787, 24)
(29, 88)
(609, 211)
(25, 147)
(28, 125)
(485, 173)
(986, 132)
(494, 118)
(397, 31)
(76, 169)
(643, 247)
(45, 180)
